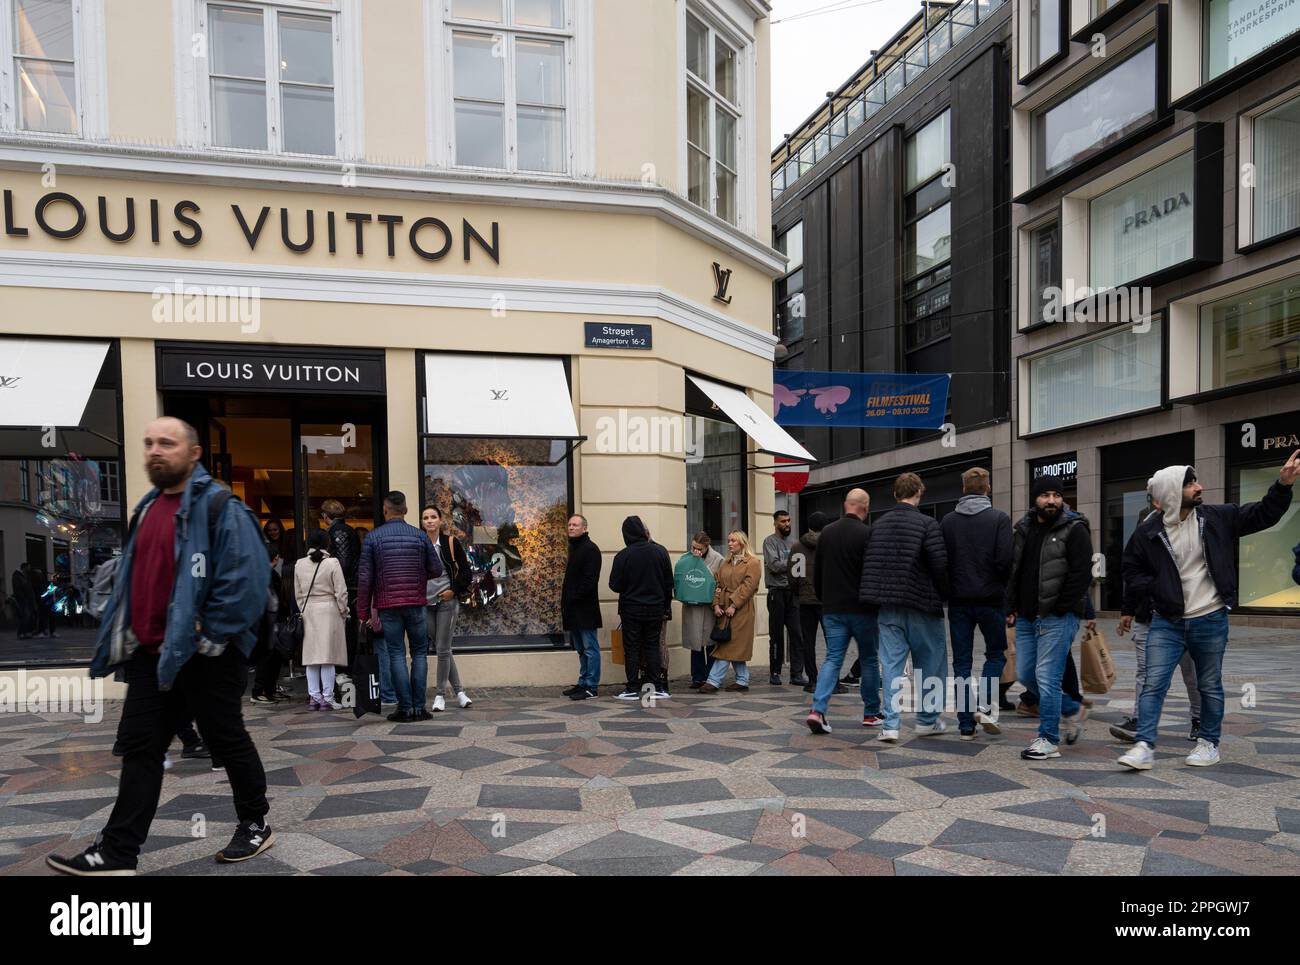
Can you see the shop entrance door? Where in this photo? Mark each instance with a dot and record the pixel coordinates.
(336, 461)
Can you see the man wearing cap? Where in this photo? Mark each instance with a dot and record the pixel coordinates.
(1183, 560)
(1051, 568)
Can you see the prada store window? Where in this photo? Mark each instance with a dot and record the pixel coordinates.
(508, 500)
(1255, 450)
(1252, 336)
(61, 516)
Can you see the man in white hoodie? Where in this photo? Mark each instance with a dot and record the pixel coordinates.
(1184, 561)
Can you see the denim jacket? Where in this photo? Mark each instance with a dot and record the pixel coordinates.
(219, 594)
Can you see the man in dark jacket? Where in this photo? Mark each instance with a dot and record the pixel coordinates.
(580, 607)
(803, 560)
(905, 573)
(24, 601)
(1051, 569)
(978, 540)
(345, 546)
(642, 576)
(837, 575)
(1184, 561)
(782, 604)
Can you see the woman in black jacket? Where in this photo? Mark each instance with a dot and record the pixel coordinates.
(443, 597)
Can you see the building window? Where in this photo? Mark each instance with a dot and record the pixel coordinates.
(790, 301)
(1251, 337)
(1045, 272)
(45, 66)
(271, 79)
(1143, 225)
(510, 66)
(1106, 109)
(1044, 31)
(713, 115)
(927, 237)
(110, 483)
(508, 500)
(1096, 378)
(24, 481)
(1276, 191)
(1236, 30)
(715, 471)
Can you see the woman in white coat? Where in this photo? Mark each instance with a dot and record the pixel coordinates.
(322, 597)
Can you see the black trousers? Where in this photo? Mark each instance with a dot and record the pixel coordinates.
(350, 628)
(1069, 684)
(210, 687)
(267, 675)
(810, 618)
(641, 650)
(783, 617)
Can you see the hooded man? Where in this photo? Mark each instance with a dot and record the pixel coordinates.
(978, 540)
(642, 576)
(803, 557)
(1047, 588)
(1184, 561)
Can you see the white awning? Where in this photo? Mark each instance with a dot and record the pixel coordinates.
(758, 425)
(497, 396)
(47, 382)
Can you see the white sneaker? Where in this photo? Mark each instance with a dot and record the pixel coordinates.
(988, 719)
(462, 698)
(928, 730)
(167, 760)
(439, 704)
(888, 736)
(1140, 757)
(1040, 750)
(1204, 755)
(1070, 727)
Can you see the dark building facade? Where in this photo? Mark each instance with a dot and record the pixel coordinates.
(893, 211)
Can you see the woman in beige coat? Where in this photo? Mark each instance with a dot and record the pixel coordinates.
(738, 579)
(322, 597)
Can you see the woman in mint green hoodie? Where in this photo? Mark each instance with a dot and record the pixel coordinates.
(694, 582)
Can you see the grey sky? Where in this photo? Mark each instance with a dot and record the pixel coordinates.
(815, 54)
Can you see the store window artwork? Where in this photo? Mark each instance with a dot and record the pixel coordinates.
(508, 499)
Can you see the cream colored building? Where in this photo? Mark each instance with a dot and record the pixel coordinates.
(341, 236)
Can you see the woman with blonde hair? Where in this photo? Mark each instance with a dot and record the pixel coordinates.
(733, 607)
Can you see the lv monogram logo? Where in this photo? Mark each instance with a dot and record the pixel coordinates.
(721, 279)
(9, 381)
(499, 395)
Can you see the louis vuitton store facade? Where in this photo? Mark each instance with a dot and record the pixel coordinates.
(492, 356)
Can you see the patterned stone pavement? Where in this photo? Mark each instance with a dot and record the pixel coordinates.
(533, 784)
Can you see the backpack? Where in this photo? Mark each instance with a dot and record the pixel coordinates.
(101, 586)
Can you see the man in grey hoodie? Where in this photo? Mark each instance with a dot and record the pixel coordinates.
(782, 607)
(1183, 560)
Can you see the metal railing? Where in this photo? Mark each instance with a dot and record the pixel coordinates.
(906, 68)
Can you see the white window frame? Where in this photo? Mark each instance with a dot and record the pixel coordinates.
(89, 71)
(1246, 154)
(194, 84)
(732, 30)
(577, 34)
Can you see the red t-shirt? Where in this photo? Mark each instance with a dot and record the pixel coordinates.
(153, 570)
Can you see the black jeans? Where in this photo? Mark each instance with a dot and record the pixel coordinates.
(641, 648)
(211, 688)
(701, 664)
(783, 616)
(810, 618)
(267, 675)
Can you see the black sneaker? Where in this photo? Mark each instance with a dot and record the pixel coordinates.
(775, 680)
(810, 688)
(263, 699)
(118, 749)
(572, 690)
(799, 681)
(249, 841)
(583, 694)
(199, 750)
(91, 863)
(841, 689)
(1195, 733)
(850, 680)
(421, 714)
(400, 717)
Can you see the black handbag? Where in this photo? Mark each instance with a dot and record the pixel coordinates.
(294, 624)
(721, 632)
(365, 677)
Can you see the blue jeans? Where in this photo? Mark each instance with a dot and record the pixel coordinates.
(386, 692)
(1205, 638)
(1041, 648)
(406, 622)
(839, 627)
(584, 641)
(980, 691)
(719, 672)
(902, 631)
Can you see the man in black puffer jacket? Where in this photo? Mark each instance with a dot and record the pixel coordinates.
(905, 573)
(642, 576)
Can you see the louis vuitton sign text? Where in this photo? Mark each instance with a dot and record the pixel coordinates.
(59, 214)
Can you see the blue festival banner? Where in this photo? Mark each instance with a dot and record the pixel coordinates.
(876, 400)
